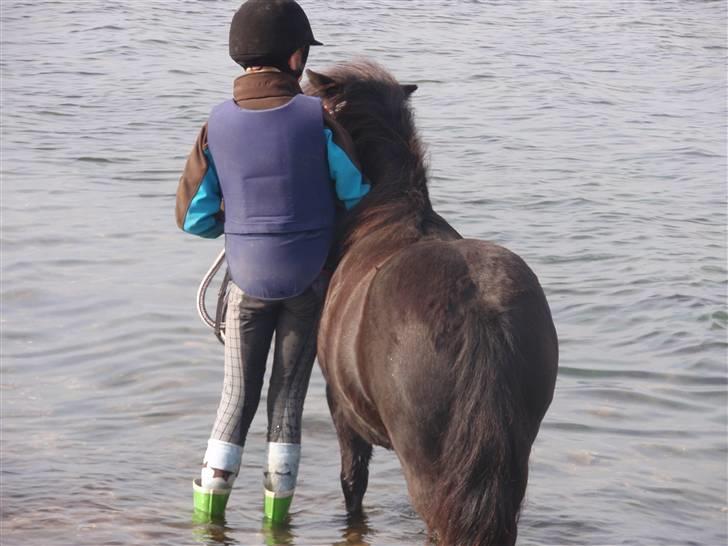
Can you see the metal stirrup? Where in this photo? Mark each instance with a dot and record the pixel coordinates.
(217, 323)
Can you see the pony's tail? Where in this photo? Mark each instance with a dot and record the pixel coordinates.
(484, 461)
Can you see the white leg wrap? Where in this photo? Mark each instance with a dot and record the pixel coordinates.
(221, 456)
(281, 471)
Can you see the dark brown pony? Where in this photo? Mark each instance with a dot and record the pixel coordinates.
(439, 347)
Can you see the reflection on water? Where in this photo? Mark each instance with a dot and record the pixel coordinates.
(355, 532)
(208, 532)
(212, 532)
(588, 137)
(278, 534)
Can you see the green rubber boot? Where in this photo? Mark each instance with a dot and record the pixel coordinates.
(276, 506)
(211, 502)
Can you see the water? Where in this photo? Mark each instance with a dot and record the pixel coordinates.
(587, 136)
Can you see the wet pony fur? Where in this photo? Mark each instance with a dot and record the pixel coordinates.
(439, 347)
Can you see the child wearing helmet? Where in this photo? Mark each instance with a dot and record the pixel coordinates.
(281, 165)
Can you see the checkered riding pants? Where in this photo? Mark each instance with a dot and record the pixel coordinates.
(249, 327)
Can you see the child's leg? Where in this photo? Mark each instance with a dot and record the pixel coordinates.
(295, 351)
(249, 328)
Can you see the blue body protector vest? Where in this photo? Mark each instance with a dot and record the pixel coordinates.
(278, 196)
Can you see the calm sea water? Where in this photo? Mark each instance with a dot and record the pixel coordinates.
(588, 136)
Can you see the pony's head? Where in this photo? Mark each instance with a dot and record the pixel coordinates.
(373, 108)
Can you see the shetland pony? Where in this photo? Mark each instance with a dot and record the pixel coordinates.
(439, 347)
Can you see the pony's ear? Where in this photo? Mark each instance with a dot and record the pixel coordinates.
(320, 81)
(408, 89)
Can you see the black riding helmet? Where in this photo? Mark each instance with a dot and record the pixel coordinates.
(268, 32)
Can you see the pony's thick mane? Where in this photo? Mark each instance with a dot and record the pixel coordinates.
(372, 106)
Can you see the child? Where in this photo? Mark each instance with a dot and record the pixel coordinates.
(278, 161)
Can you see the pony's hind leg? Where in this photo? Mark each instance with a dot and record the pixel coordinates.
(355, 455)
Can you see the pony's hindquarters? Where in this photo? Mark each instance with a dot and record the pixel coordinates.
(461, 367)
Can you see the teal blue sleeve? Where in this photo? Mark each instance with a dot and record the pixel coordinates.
(202, 215)
(350, 183)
